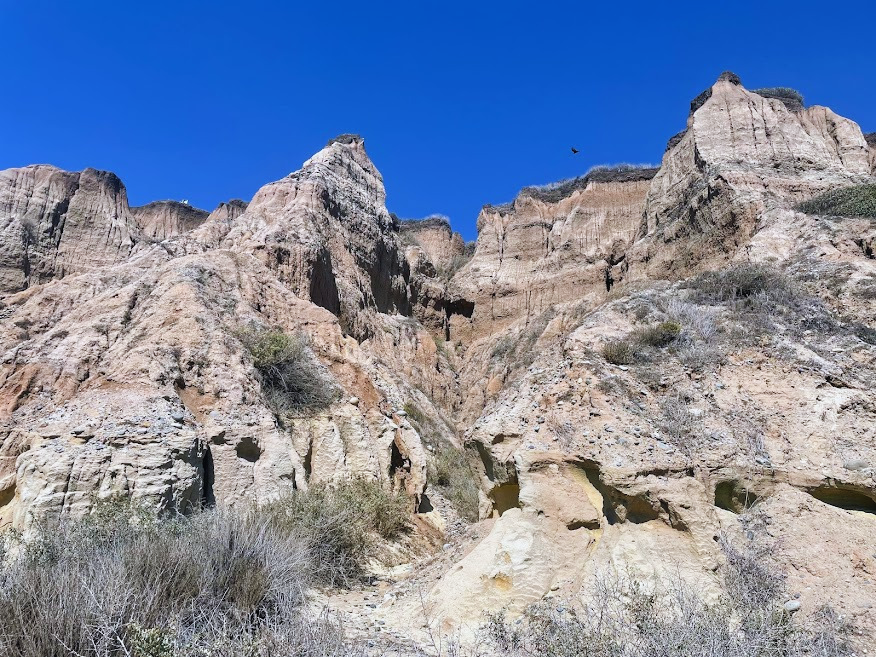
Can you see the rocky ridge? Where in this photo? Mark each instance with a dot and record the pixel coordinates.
(126, 371)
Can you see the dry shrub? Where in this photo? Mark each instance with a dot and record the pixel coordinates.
(122, 580)
(659, 335)
(339, 524)
(619, 352)
(292, 379)
(451, 472)
(762, 299)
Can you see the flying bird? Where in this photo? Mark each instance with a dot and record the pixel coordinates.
(574, 150)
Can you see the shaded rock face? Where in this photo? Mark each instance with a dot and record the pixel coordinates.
(54, 223)
(228, 211)
(162, 219)
(871, 143)
(437, 240)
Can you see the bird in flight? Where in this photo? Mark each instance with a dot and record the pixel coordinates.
(574, 150)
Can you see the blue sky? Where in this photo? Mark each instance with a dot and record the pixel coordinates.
(460, 103)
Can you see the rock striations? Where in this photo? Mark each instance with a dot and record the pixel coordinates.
(633, 360)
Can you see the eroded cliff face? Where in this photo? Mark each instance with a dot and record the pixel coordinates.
(133, 378)
(129, 374)
(55, 223)
(742, 157)
(162, 219)
(326, 232)
(586, 465)
(550, 246)
(436, 239)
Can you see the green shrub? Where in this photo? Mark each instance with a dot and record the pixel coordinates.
(855, 201)
(792, 98)
(619, 352)
(451, 472)
(292, 378)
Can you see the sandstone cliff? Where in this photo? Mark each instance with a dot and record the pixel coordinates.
(56, 222)
(134, 379)
(741, 157)
(162, 219)
(620, 406)
(550, 245)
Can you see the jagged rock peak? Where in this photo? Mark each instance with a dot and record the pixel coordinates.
(229, 210)
(726, 76)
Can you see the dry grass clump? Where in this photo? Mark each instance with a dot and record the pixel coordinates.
(630, 349)
(854, 201)
(619, 352)
(451, 472)
(292, 379)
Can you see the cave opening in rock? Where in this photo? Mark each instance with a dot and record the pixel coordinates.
(208, 499)
(399, 467)
(734, 497)
(308, 461)
(845, 498)
(248, 450)
(425, 505)
(505, 496)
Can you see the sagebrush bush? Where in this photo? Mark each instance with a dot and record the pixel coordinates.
(631, 348)
(854, 201)
(451, 472)
(338, 524)
(619, 352)
(660, 335)
(292, 379)
(122, 579)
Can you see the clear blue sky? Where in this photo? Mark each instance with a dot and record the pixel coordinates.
(460, 103)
